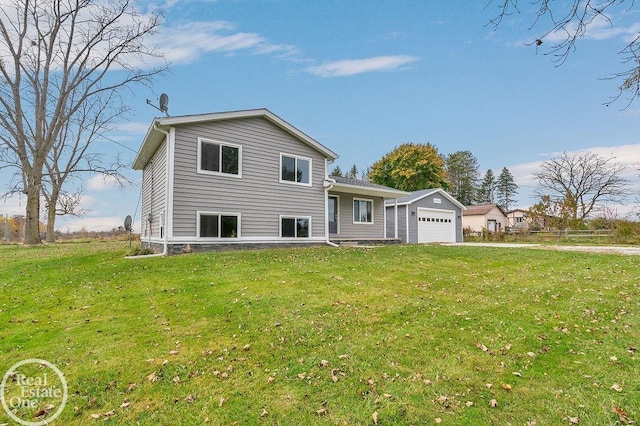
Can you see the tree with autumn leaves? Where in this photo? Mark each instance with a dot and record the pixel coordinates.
(410, 167)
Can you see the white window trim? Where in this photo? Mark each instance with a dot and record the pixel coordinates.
(217, 142)
(296, 157)
(372, 211)
(338, 211)
(219, 214)
(296, 217)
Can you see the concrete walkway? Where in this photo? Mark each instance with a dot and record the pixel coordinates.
(624, 250)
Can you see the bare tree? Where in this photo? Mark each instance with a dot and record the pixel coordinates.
(55, 59)
(71, 156)
(579, 181)
(564, 23)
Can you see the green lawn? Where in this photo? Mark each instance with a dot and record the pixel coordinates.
(394, 335)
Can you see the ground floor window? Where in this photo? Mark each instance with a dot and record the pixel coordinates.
(362, 211)
(295, 227)
(218, 225)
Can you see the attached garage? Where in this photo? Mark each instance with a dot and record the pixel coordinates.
(427, 216)
(436, 226)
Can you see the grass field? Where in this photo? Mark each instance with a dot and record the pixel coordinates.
(393, 335)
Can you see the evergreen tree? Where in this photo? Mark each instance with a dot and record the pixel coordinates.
(485, 193)
(337, 171)
(462, 175)
(506, 189)
(353, 173)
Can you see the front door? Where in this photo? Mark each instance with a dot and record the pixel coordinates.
(333, 214)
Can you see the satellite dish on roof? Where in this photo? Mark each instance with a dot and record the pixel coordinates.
(163, 105)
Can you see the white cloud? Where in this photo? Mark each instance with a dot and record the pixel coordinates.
(136, 127)
(13, 205)
(102, 183)
(95, 224)
(600, 28)
(186, 42)
(348, 67)
(626, 155)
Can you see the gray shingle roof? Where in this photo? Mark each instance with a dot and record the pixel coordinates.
(358, 182)
(413, 196)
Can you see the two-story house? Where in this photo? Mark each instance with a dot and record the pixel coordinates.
(248, 178)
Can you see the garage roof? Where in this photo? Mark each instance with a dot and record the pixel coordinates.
(418, 195)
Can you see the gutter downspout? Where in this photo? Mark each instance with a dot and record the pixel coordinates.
(166, 204)
(328, 184)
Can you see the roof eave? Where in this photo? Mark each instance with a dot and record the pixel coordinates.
(262, 112)
(152, 140)
(368, 191)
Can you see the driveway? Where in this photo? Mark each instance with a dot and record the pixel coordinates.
(628, 250)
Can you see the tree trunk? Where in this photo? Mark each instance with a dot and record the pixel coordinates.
(51, 219)
(32, 225)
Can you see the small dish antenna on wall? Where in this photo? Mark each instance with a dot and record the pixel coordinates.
(127, 226)
(164, 104)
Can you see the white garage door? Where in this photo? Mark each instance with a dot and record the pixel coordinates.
(436, 226)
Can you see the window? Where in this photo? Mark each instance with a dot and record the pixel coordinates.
(213, 225)
(295, 169)
(295, 227)
(219, 158)
(362, 211)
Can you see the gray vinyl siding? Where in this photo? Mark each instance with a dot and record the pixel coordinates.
(426, 202)
(349, 229)
(154, 192)
(402, 224)
(258, 195)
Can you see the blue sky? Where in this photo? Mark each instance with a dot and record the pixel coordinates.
(362, 77)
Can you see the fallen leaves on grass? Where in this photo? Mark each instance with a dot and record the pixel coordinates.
(264, 413)
(574, 420)
(622, 415)
(322, 412)
(374, 417)
(493, 403)
(153, 377)
(44, 411)
(616, 387)
(506, 386)
(482, 347)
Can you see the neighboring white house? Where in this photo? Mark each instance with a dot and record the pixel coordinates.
(247, 178)
(489, 217)
(517, 218)
(426, 216)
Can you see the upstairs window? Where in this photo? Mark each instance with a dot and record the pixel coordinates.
(362, 211)
(219, 158)
(295, 169)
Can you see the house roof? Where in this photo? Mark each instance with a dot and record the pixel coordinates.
(363, 187)
(156, 132)
(419, 195)
(481, 209)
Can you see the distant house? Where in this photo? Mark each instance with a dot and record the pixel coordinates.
(517, 218)
(489, 217)
(426, 216)
(242, 178)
